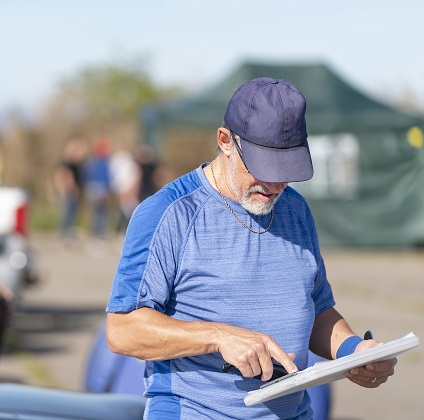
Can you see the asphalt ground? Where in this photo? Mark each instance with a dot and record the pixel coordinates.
(57, 320)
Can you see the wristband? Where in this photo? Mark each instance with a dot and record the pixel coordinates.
(348, 346)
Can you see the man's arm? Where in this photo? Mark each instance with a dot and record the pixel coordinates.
(150, 335)
(329, 333)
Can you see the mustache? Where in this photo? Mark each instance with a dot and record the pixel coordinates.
(260, 189)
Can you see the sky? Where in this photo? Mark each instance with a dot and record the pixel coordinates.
(377, 45)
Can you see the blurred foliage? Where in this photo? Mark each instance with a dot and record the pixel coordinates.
(99, 101)
(115, 92)
(185, 148)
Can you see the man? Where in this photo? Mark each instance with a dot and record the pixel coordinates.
(223, 266)
(68, 179)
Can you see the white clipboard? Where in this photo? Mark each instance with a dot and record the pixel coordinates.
(330, 370)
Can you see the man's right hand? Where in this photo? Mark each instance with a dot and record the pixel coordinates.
(252, 352)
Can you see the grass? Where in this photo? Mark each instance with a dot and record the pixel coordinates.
(35, 369)
(44, 219)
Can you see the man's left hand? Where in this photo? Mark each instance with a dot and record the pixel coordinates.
(373, 374)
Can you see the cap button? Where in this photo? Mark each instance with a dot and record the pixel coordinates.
(275, 82)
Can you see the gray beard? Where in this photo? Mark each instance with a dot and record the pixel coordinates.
(252, 206)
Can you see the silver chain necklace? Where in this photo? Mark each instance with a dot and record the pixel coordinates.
(259, 232)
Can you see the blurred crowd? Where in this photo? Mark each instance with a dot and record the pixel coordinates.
(107, 184)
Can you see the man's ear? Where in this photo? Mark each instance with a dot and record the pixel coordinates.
(224, 140)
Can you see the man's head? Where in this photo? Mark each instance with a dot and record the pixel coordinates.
(268, 115)
(255, 196)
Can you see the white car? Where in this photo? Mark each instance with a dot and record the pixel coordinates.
(16, 268)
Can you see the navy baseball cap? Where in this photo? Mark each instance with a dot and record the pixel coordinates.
(269, 117)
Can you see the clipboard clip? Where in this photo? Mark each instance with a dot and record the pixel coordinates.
(282, 378)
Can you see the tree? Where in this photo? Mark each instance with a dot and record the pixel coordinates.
(115, 92)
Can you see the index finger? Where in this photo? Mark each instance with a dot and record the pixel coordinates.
(285, 359)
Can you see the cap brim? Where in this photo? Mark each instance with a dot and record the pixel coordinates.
(278, 165)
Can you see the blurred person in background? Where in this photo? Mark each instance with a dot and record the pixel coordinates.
(146, 159)
(68, 180)
(125, 179)
(223, 266)
(98, 187)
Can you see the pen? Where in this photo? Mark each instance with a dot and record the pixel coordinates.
(278, 372)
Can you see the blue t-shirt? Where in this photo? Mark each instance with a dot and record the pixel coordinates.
(186, 256)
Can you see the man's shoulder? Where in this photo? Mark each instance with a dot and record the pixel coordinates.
(297, 204)
(182, 187)
(182, 192)
(291, 194)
